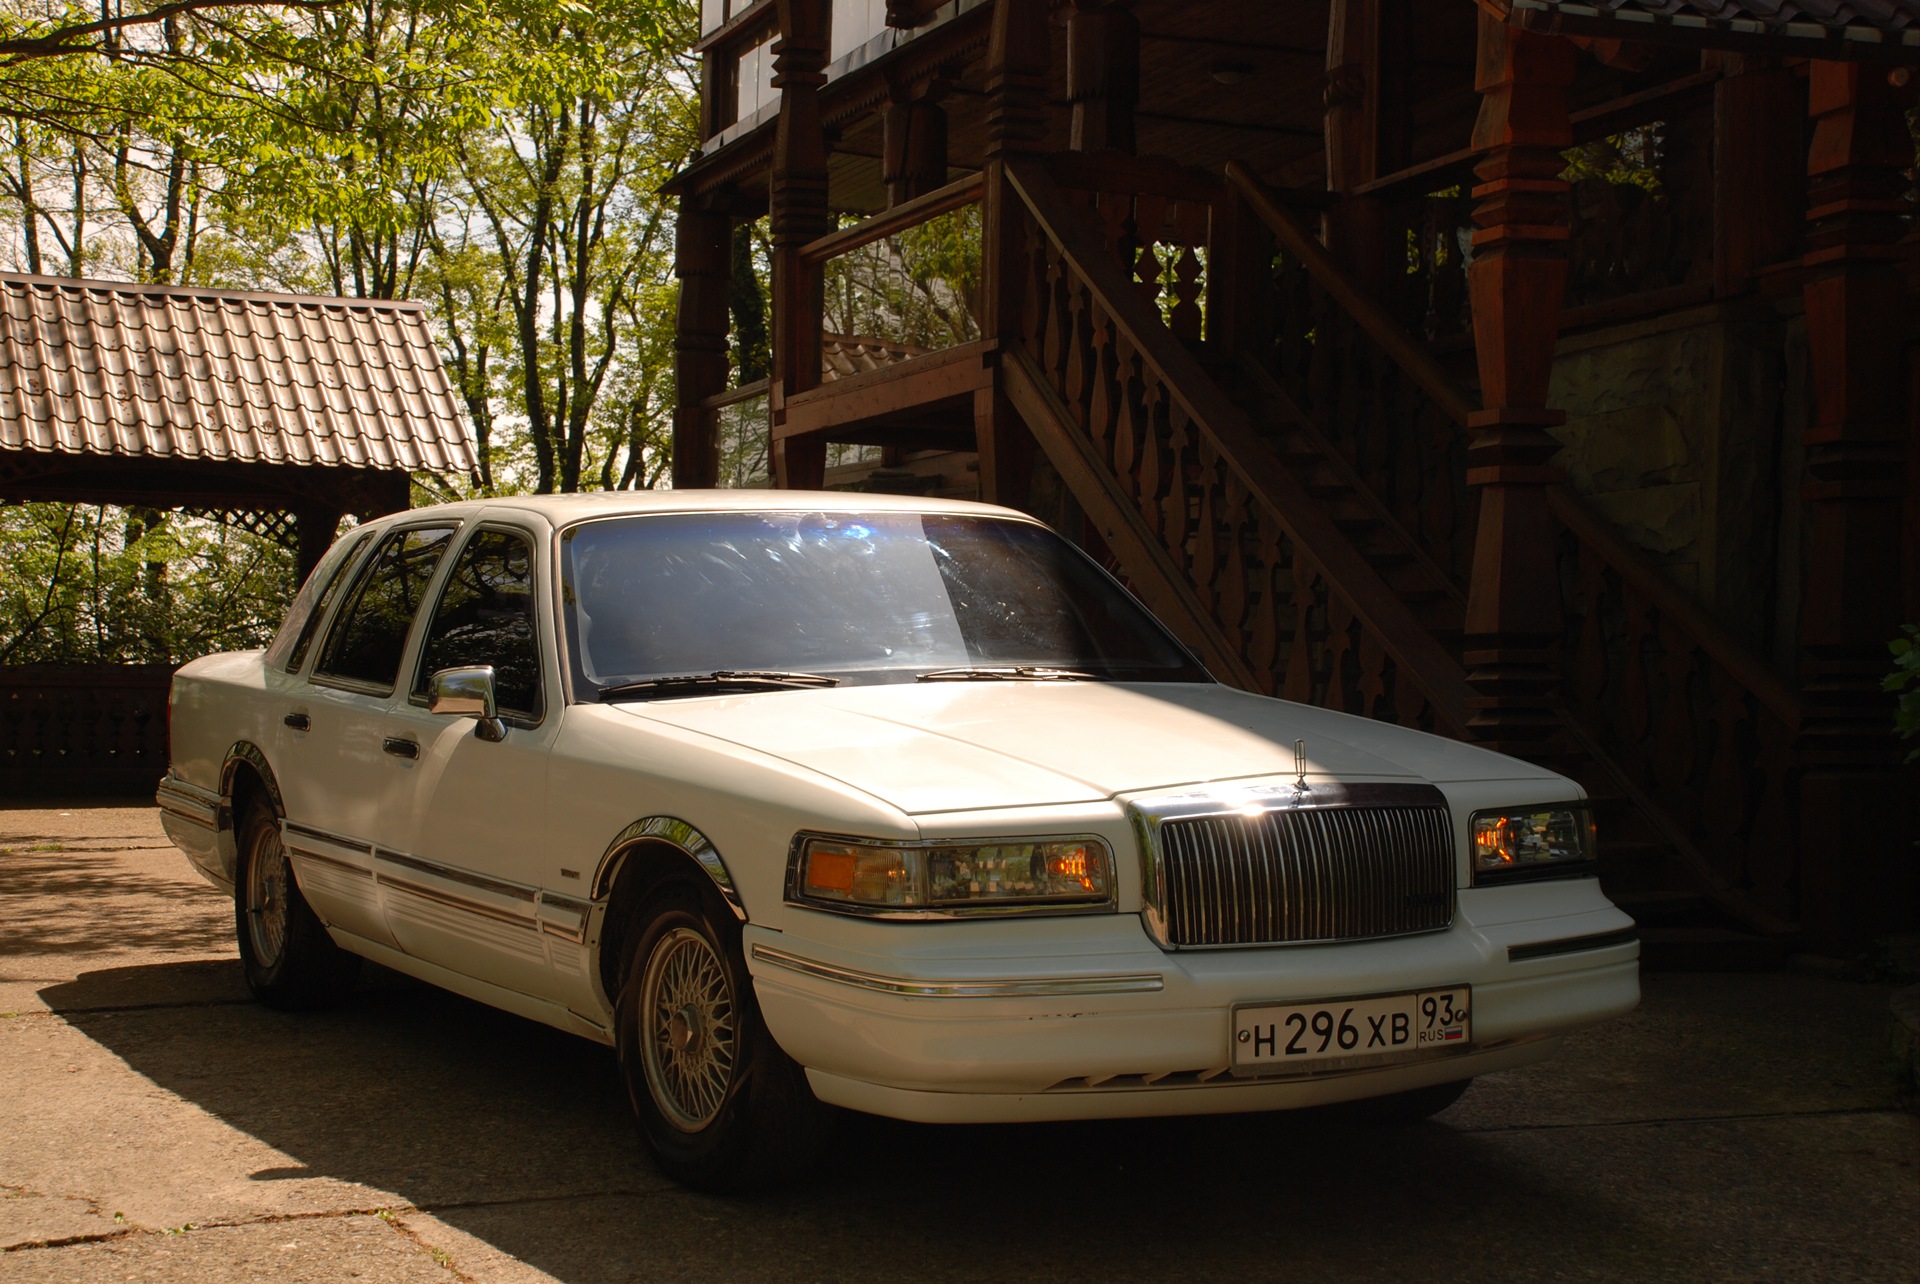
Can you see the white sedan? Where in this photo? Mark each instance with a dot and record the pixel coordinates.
(900, 806)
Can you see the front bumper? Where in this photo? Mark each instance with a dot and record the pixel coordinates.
(1091, 1020)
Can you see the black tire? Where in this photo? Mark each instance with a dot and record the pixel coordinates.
(1400, 1109)
(719, 1105)
(290, 961)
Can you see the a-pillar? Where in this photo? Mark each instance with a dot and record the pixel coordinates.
(1517, 281)
(703, 262)
(1103, 75)
(1857, 857)
(1016, 128)
(798, 214)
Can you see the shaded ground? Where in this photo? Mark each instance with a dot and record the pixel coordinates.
(155, 1124)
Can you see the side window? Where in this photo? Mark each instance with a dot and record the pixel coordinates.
(295, 639)
(368, 636)
(485, 616)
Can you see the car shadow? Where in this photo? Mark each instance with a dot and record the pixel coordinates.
(521, 1136)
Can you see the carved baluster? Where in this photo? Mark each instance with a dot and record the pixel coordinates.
(1340, 680)
(1306, 587)
(1772, 851)
(1206, 536)
(1059, 318)
(1723, 792)
(1034, 302)
(1590, 653)
(1128, 419)
(1373, 675)
(1154, 461)
(1674, 744)
(1079, 370)
(1633, 715)
(1263, 646)
(1152, 261)
(1102, 392)
(1231, 599)
(1176, 525)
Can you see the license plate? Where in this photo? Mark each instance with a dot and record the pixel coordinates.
(1337, 1033)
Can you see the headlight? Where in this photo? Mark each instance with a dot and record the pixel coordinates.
(1532, 842)
(942, 880)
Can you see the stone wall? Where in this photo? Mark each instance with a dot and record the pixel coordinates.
(1679, 429)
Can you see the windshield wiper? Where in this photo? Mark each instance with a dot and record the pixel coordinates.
(1008, 673)
(719, 680)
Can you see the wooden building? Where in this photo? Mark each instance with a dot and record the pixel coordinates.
(1536, 373)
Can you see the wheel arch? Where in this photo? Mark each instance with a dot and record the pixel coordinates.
(244, 773)
(644, 856)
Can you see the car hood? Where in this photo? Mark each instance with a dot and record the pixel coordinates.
(952, 746)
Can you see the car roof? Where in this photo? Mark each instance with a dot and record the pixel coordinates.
(561, 510)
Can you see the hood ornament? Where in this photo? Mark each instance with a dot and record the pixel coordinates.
(1300, 785)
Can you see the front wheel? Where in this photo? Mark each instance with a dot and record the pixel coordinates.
(289, 959)
(721, 1107)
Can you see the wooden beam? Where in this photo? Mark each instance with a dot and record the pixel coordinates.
(907, 385)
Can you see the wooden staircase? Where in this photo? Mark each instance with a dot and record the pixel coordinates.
(1293, 510)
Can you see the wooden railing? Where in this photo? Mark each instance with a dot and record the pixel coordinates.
(1375, 394)
(1204, 517)
(83, 729)
(1686, 718)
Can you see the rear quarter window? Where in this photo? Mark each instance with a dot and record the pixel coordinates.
(369, 635)
(295, 638)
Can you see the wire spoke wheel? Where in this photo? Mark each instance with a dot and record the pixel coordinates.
(268, 906)
(688, 1037)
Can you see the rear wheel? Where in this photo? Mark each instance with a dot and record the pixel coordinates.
(289, 960)
(721, 1107)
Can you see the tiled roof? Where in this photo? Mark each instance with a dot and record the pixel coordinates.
(1869, 21)
(110, 368)
(845, 355)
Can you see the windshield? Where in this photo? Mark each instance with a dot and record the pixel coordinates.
(869, 597)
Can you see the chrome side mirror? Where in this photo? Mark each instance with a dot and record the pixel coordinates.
(467, 693)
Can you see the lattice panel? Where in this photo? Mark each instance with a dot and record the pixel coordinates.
(276, 525)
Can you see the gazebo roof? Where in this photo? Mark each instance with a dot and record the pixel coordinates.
(109, 368)
(1833, 28)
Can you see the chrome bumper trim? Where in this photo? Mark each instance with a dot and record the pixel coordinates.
(1037, 987)
(1571, 945)
(189, 802)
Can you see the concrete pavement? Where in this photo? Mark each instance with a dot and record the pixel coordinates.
(155, 1124)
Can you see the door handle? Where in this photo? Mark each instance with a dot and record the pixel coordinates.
(400, 748)
(298, 721)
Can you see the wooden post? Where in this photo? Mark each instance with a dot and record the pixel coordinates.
(1857, 858)
(703, 261)
(798, 214)
(1016, 126)
(1518, 281)
(313, 529)
(1364, 89)
(913, 149)
(1103, 75)
(1757, 201)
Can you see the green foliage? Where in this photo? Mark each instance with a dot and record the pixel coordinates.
(1904, 682)
(91, 584)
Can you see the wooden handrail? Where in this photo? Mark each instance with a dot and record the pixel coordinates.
(1572, 511)
(942, 200)
(732, 396)
(1422, 659)
(1382, 328)
(1729, 652)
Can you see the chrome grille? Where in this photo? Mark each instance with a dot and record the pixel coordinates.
(1326, 874)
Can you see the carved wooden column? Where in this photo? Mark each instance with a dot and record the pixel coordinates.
(1517, 280)
(1856, 853)
(703, 262)
(1103, 75)
(913, 149)
(798, 215)
(1016, 126)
